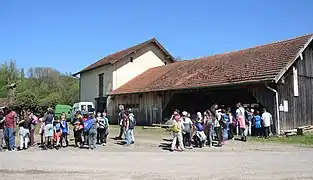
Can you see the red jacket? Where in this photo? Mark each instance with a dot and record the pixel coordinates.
(10, 120)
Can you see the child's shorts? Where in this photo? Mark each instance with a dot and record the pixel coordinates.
(57, 135)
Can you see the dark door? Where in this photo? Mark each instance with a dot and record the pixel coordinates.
(101, 104)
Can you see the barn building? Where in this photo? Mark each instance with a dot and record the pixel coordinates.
(277, 76)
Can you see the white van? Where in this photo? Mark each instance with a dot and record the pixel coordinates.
(88, 106)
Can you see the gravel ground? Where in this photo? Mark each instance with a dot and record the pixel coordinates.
(149, 159)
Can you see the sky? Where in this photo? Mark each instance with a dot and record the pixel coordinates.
(69, 35)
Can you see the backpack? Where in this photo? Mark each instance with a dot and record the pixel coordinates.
(132, 122)
(199, 127)
(64, 127)
(57, 126)
(87, 125)
(223, 121)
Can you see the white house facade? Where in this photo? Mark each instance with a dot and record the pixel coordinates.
(113, 71)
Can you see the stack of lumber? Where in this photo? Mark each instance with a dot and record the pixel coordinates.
(304, 129)
(291, 132)
(162, 125)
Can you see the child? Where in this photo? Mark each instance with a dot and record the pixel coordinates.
(177, 133)
(257, 123)
(100, 128)
(199, 137)
(78, 130)
(225, 125)
(92, 132)
(42, 131)
(57, 133)
(106, 124)
(65, 131)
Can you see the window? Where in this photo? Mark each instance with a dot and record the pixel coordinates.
(131, 59)
(295, 82)
(101, 85)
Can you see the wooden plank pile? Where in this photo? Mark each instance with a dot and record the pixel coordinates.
(298, 131)
(304, 129)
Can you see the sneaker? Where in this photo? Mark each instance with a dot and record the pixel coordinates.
(104, 144)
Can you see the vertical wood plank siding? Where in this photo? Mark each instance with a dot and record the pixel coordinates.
(300, 108)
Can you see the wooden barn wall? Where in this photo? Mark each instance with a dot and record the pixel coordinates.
(300, 108)
(129, 101)
(267, 98)
(147, 107)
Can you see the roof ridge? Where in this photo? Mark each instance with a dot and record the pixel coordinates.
(132, 46)
(256, 46)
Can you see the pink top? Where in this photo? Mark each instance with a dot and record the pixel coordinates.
(242, 121)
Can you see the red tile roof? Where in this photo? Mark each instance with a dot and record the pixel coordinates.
(260, 63)
(112, 58)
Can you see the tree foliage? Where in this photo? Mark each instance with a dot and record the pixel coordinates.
(37, 88)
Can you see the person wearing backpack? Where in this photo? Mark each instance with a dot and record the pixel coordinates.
(187, 130)
(177, 132)
(65, 131)
(106, 125)
(78, 129)
(225, 125)
(199, 137)
(91, 130)
(48, 120)
(100, 128)
(126, 123)
(132, 123)
(57, 133)
(208, 123)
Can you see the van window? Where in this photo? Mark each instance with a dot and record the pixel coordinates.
(89, 107)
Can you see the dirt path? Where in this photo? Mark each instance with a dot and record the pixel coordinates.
(147, 159)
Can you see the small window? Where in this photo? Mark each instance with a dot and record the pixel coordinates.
(131, 59)
(101, 83)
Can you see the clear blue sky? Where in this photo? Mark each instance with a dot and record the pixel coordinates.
(71, 34)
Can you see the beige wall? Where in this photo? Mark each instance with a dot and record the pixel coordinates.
(89, 88)
(144, 59)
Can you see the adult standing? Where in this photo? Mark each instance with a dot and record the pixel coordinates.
(2, 119)
(231, 124)
(208, 123)
(48, 119)
(240, 113)
(120, 121)
(32, 126)
(24, 124)
(266, 118)
(126, 128)
(10, 128)
(132, 123)
(92, 133)
(187, 130)
(177, 132)
(217, 126)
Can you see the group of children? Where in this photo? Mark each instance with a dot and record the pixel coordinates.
(90, 130)
(217, 124)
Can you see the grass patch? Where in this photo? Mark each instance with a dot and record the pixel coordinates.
(306, 139)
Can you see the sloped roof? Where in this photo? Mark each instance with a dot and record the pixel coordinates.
(260, 63)
(112, 58)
